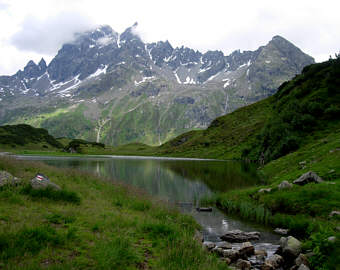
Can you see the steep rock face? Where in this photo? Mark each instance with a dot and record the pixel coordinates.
(118, 89)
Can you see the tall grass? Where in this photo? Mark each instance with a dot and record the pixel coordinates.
(29, 240)
(298, 225)
(52, 194)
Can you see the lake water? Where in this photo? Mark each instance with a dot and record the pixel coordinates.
(180, 181)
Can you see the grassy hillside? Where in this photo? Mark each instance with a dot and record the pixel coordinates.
(91, 224)
(302, 110)
(27, 137)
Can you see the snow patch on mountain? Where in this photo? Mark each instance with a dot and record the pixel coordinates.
(145, 79)
(98, 72)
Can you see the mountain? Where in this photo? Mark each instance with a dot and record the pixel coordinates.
(304, 111)
(113, 88)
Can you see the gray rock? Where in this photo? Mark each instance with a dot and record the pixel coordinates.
(274, 261)
(223, 245)
(226, 260)
(218, 251)
(246, 250)
(243, 264)
(309, 177)
(303, 267)
(281, 231)
(267, 266)
(302, 259)
(284, 185)
(40, 181)
(209, 245)
(237, 236)
(291, 247)
(7, 179)
(260, 252)
(232, 254)
(265, 190)
(331, 239)
(334, 213)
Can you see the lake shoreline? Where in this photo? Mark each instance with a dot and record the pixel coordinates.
(100, 231)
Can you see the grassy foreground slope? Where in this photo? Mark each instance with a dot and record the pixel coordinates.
(91, 224)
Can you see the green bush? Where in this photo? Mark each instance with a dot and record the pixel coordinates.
(326, 253)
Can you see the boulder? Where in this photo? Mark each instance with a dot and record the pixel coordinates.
(223, 245)
(291, 247)
(7, 179)
(237, 236)
(243, 264)
(226, 260)
(218, 251)
(273, 262)
(284, 185)
(246, 250)
(281, 231)
(331, 239)
(260, 252)
(267, 266)
(209, 245)
(302, 259)
(41, 181)
(303, 267)
(265, 190)
(232, 254)
(334, 213)
(309, 177)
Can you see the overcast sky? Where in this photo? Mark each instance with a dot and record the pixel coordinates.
(37, 28)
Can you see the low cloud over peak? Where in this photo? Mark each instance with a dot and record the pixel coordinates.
(45, 36)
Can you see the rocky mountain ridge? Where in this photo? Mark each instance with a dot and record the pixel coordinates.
(116, 89)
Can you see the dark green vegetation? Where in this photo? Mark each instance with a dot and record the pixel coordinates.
(25, 136)
(29, 140)
(56, 195)
(109, 227)
(81, 146)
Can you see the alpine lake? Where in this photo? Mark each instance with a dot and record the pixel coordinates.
(182, 182)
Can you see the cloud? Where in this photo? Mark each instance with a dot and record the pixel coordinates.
(45, 36)
(3, 6)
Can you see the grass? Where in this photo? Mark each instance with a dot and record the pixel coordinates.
(111, 226)
(51, 194)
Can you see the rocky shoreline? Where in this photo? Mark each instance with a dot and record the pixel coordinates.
(239, 252)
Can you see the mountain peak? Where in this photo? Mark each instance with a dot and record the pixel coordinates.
(42, 64)
(106, 29)
(278, 37)
(30, 63)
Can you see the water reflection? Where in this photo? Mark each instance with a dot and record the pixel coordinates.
(170, 180)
